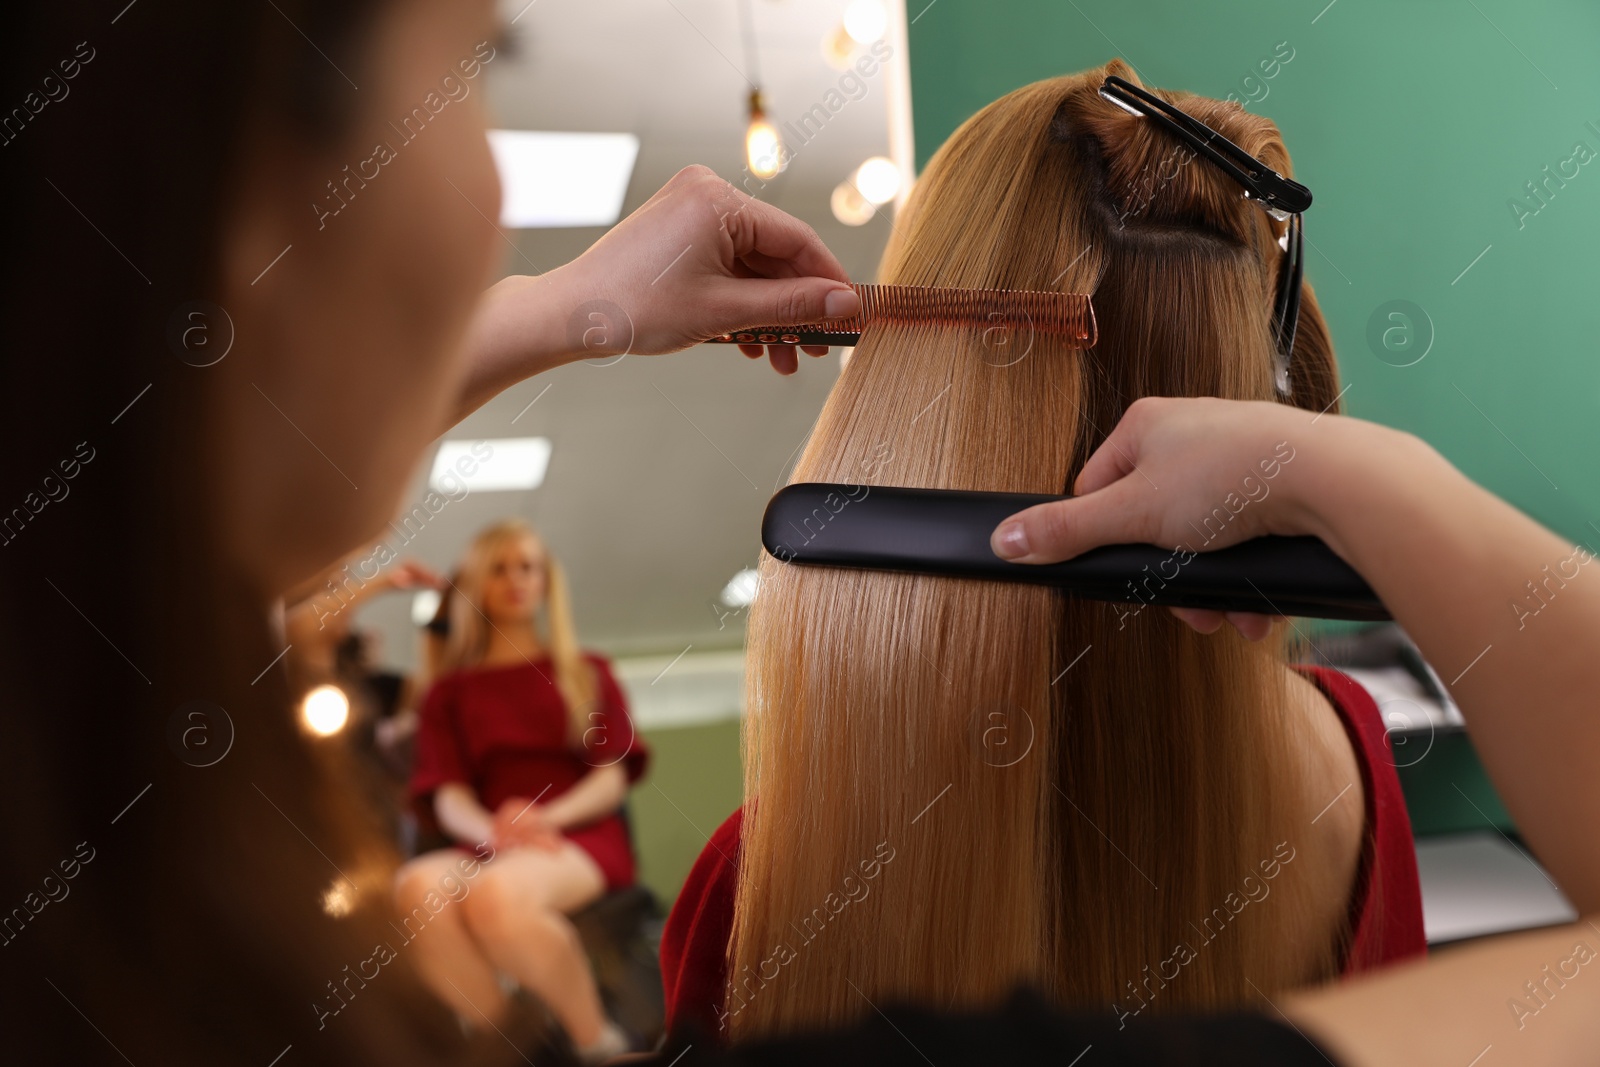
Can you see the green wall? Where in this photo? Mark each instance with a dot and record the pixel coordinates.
(694, 783)
(1414, 123)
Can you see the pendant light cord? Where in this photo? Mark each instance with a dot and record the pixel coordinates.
(747, 25)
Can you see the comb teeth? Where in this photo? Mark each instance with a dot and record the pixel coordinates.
(1068, 314)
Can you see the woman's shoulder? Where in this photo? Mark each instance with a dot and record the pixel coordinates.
(1355, 787)
(438, 685)
(598, 660)
(1344, 701)
(1334, 759)
(601, 664)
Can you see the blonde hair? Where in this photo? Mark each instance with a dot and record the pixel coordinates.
(468, 640)
(954, 786)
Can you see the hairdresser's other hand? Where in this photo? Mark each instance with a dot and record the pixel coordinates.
(1166, 467)
(410, 574)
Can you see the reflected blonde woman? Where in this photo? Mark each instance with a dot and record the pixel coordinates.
(525, 754)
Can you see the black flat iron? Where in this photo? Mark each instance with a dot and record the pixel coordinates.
(946, 532)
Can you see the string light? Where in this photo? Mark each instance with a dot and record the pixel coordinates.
(864, 22)
(325, 710)
(849, 206)
(857, 199)
(339, 899)
(878, 179)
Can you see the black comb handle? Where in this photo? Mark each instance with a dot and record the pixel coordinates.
(946, 532)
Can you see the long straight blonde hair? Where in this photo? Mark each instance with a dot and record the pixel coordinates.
(468, 641)
(953, 786)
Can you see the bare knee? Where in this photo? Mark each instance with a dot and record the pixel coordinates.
(542, 934)
(421, 883)
(490, 908)
(510, 907)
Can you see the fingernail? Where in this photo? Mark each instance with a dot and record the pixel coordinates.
(841, 304)
(1010, 541)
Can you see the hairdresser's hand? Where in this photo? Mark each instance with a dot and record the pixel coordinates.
(698, 259)
(701, 258)
(1168, 466)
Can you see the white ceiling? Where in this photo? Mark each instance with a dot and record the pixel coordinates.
(661, 465)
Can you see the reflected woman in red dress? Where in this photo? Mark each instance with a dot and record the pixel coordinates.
(525, 754)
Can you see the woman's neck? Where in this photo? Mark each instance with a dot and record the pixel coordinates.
(513, 643)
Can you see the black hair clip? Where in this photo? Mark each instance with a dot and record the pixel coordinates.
(1283, 198)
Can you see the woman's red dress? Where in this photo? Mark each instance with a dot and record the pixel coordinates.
(503, 732)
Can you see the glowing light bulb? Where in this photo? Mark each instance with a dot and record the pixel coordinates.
(339, 899)
(850, 207)
(878, 179)
(865, 20)
(325, 710)
(763, 150)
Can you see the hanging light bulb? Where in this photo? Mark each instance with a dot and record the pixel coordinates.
(763, 150)
(325, 710)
